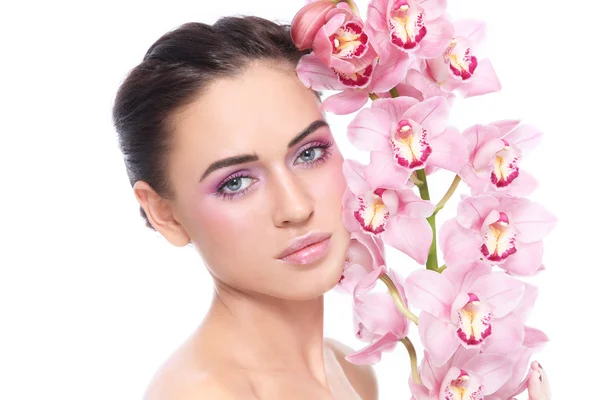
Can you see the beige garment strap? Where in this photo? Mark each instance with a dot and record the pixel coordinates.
(336, 377)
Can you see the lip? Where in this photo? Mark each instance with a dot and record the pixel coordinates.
(304, 249)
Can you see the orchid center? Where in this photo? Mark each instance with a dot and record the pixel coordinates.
(350, 40)
(401, 5)
(505, 166)
(372, 213)
(410, 144)
(465, 387)
(460, 61)
(407, 28)
(358, 79)
(499, 239)
(474, 322)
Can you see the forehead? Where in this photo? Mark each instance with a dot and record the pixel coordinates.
(262, 109)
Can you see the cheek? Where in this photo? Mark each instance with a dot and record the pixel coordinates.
(220, 225)
(218, 228)
(330, 184)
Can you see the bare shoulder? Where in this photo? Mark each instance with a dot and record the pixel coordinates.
(203, 387)
(177, 381)
(362, 377)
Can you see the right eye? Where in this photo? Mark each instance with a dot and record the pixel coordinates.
(234, 186)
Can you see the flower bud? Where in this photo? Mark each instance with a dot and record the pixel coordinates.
(308, 21)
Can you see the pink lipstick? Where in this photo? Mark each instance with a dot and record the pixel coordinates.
(307, 249)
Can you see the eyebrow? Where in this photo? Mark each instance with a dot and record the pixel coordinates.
(244, 158)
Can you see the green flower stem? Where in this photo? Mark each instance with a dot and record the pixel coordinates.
(415, 180)
(432, 262)
(413, 359)
(373, 96)
(397, 299)
(448, 194)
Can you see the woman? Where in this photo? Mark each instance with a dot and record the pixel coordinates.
(226, 149)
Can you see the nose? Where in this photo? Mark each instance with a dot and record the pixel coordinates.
(293, 203)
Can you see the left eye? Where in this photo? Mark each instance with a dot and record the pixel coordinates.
(311, 154)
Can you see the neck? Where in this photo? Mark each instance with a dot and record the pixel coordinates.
(267, 333)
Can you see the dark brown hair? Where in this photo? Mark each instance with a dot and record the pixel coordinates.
(174, 72)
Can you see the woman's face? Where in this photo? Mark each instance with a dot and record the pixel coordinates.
(247, 181)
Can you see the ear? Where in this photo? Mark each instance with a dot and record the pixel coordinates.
(160, 214)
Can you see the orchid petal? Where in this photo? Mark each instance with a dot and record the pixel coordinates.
(532, 220)
(383, 172)
(434, 8)
(370, 130)
(321, 46)
(379, 314)
(354, 174)
(502, 292)
(396, 107)
(506, 125)
(506, 338)
(432, 114)
(413, 206)
(462, 275)
(349, 204)
(437, 337)
(484, 81)
(495, 369)
(372, 353)
(388, 74)
(523, 185)
(439, 35)
(472, 29)
(457, 243)
(526, 137)
(472, 211)
(412, 236)
(534, 338)
(526, 261)
(377, 14)
(449, 150)
(430, 292)
(345, 102)
(316, 75)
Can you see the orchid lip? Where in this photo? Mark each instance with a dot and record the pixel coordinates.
(301, 242)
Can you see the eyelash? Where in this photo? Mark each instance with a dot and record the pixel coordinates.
(325, 145)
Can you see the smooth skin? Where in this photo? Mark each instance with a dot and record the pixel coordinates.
(262, 337)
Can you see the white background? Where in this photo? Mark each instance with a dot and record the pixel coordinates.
(91, 301)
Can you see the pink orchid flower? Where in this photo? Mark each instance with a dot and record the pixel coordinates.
(495, 151)
(503, 230)
(381, 75)
(342, 44)
(533, 341)
(409, 134)
(378, 202)
(420, 87)
(417, 27)
(458, 68)
(467, 305)
(469, 374)
(308, 21)
(377, 319)
(365, 253)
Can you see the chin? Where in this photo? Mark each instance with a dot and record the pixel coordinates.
(312, 281)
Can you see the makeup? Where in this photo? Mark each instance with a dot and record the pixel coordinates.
(307, 249)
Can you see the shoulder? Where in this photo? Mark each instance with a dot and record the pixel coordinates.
(203, 387)
(181, 382)
(362, 377)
